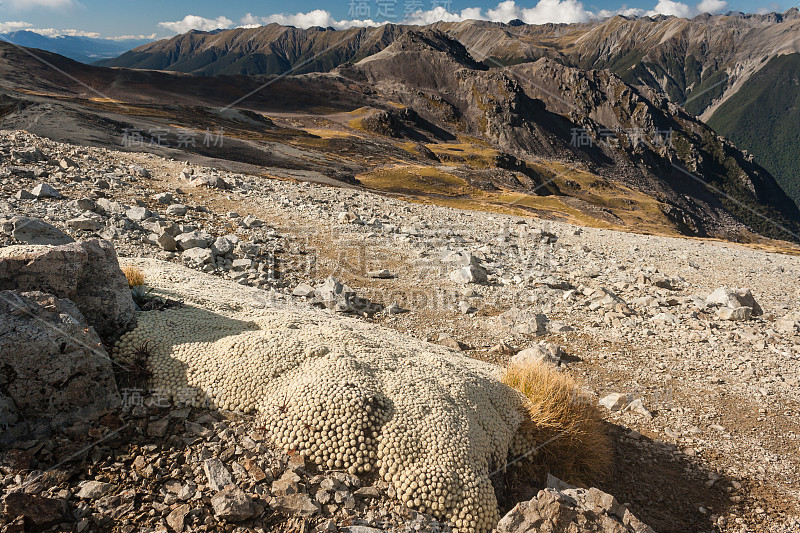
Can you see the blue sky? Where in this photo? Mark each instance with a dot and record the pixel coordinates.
(163, 18)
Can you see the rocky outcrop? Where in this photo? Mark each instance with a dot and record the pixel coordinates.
(584, 510)
(86, 272)
(54, 371)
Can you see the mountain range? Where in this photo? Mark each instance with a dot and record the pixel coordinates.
(737, 72)
(83, 49)
(423, 118)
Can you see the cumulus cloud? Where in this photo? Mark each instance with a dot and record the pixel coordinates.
(37, 4)
(670, 7)
(711, 6)
(440, 14)
(504, 12)
(556, 11)
(8, 27)
(317, 17)
(193, 22)
(624, 10)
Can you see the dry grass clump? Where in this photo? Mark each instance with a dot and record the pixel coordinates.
(134, 276)
(567, 424)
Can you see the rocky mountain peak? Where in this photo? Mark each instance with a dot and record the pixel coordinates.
(419, 46)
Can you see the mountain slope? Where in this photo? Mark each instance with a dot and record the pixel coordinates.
(535, 108)
(699, 64)
(694, 61)
(271, 49)
(764, 115)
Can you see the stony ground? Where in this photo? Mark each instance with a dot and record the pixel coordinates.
(713, 446)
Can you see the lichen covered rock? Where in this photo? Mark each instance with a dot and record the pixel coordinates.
(86, 272)
(53, 370)
(345, 394)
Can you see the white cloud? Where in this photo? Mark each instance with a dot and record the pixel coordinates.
(556, 11)
(19, 5)
(193, 22)
(440, 14)
(317, 17)
(544, 11)
(624, 10)
(52, 32)
(711, 6)
(131, 37)
(670, 7)
(7, 27)
(505, 11)
(471, 13)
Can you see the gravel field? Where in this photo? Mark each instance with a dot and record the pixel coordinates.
(712, 445)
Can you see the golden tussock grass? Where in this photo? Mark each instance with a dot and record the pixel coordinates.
(559, 417)
(134, 276)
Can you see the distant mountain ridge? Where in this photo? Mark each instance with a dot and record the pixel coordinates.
(700, 63)
(83, 49)
(271, 49)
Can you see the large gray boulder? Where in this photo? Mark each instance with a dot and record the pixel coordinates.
(734, 298)
(193, 239)
(53, 368)
(36, 231)
(544, 352)
(338, 297)
(86, 272)
(232, 504)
